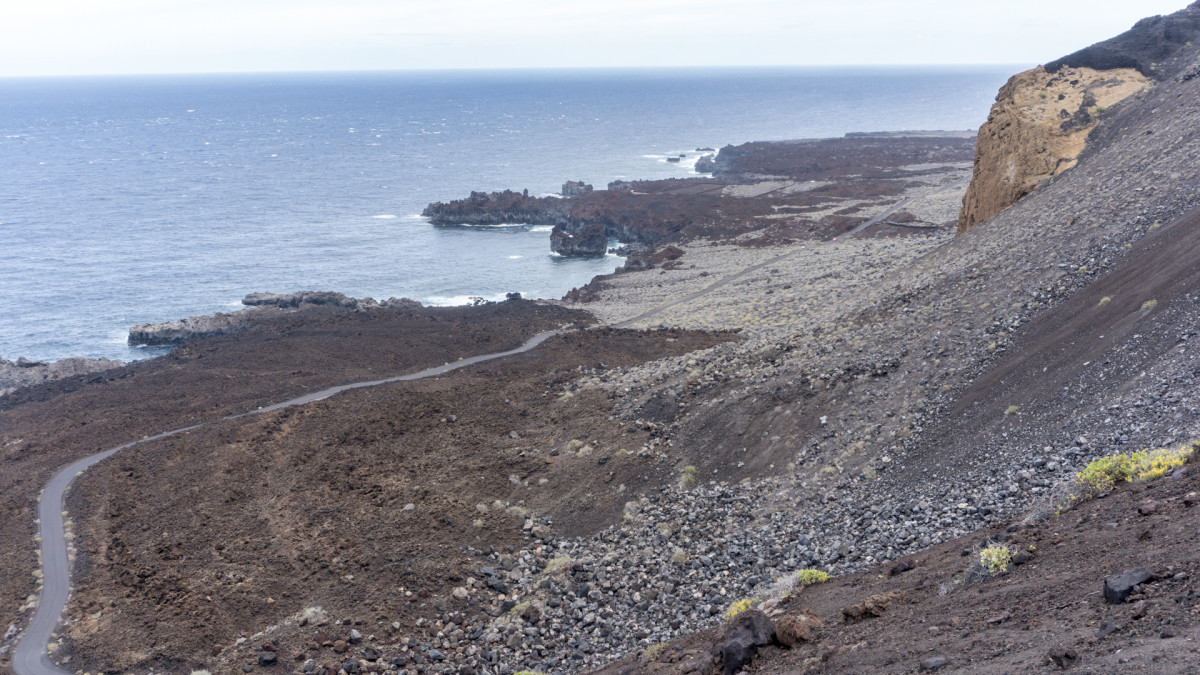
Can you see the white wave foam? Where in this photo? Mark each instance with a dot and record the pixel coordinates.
(385, 216)
(456, 300)
(541, 228)
(515, 257)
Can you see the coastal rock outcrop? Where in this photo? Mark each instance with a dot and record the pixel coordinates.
(179, 332)
(259, 306)
(24, 373)
(288, 300)
(1036, 130)
(589, 241)
(825, 158)
(498, 208)
(574, 188)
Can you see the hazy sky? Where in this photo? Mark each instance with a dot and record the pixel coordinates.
(56, 37)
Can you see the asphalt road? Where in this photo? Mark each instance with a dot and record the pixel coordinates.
(31, 656)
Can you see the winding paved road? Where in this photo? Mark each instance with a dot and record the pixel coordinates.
(31, 656)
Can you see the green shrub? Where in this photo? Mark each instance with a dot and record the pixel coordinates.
(1011, 410)
(1105, 300)
(1149, 305)
(1104, 473)
(995, 559)
(688, 478)
(558, 564)
(655, 651)
(740, 606)
(811, 577)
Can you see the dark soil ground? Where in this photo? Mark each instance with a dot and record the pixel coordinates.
(230, 527)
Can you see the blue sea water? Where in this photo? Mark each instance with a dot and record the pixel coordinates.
(141, 199)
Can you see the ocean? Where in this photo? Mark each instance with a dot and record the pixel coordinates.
(126, 200)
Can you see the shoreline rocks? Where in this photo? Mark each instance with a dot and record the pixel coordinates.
(173, 333)
(590, 241)
(24, 373)
(259, 306)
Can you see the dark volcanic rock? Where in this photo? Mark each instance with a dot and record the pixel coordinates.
(1148, 47)
(498, 208)
(1064, 658)
(287, 300)
(741, 638)
(23, 372)
(178, 332)
(1117, 589)
(574, 188)
(589, 242)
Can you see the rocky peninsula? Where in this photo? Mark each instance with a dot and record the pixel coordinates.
(803, 189)
(803, 373)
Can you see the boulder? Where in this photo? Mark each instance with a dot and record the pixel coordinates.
(875, 605)
(793, 629)
(1118, 589)
(740, 639)
(1063, 657)
(934, 663)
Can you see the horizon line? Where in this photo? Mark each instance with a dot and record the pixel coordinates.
(517, 69)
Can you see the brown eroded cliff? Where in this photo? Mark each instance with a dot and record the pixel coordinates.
(1036, 130)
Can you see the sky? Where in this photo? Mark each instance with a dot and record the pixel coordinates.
(76, 37)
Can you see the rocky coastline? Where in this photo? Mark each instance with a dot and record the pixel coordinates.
(260, 307)
(810, 369)
(750, 183)
(25, 373)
